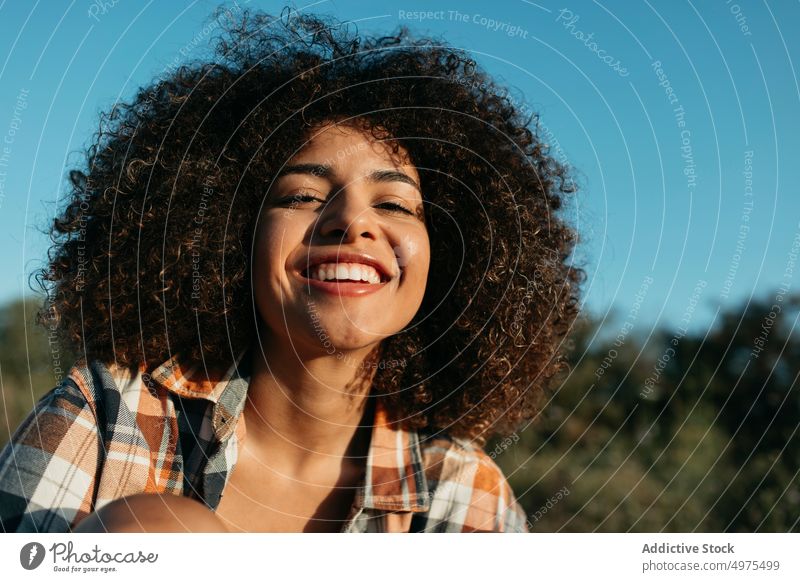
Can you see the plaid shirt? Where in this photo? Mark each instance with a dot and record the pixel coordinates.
(104, 433)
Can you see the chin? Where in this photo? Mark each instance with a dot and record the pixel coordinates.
(349, 342)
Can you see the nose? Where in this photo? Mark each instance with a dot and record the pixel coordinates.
(346, 218)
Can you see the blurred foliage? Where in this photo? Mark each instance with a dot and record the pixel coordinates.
(30, 365)
(713, 446)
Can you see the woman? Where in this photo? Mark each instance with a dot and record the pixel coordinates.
(306, 281)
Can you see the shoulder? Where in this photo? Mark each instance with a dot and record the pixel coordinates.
(467, 487)
(123, 400)
(48, 468)
(451, 459)
(98, 381)
(86, 442)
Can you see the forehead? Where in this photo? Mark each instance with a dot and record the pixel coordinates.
(351, 149)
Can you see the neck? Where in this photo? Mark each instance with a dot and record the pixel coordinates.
(309, 415)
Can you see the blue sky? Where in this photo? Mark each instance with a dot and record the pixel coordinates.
(663, 195)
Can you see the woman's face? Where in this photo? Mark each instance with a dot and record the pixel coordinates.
(341, 251)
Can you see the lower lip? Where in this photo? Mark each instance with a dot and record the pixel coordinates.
(343, 289)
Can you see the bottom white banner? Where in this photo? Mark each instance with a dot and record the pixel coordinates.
(399, 557)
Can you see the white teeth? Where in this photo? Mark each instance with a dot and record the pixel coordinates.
(345, 271)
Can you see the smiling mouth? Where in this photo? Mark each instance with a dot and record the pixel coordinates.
(344, 287)
(346, 274)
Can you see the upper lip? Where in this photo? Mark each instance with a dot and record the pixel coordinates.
(340, 256)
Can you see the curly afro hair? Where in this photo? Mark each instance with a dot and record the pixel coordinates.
(204, 139)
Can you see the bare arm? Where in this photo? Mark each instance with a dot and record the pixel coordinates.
(148, 512)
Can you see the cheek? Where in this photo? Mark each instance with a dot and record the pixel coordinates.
(271, 247)
(270, 250)
(275, 238)
(413, 256)
(264, 249)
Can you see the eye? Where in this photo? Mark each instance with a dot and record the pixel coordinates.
(394, 207)
(299, 197)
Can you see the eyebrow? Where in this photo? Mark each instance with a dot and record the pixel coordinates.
(326, 171)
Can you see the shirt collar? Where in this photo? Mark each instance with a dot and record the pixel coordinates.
(395, 475)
